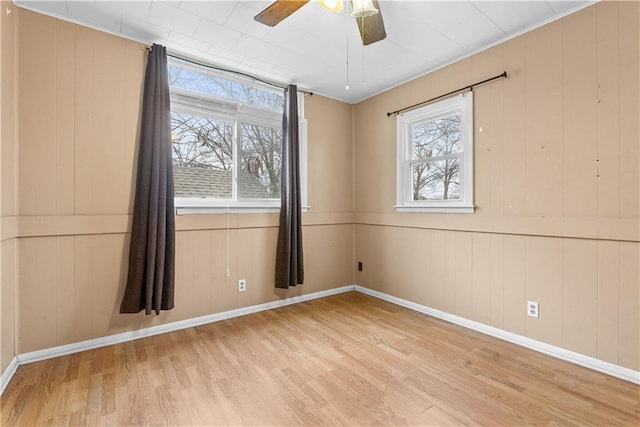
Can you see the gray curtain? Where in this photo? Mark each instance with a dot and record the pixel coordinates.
(150, 280)
(289, 256)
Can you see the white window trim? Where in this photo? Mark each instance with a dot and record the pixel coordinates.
(464, 105)
(190, 102)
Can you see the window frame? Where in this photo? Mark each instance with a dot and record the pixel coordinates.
(462, 104)
(184, 101)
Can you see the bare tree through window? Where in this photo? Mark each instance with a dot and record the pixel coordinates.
(201, 142)
(436, 156)
(206, 140)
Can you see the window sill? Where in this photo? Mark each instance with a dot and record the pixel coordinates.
(436, 209)
(195, 210)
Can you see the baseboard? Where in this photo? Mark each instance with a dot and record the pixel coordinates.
(8, 374)
(541, 347)
(49, 353)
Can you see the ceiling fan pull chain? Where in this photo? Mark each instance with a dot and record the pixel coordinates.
(363, 32)
(347, 38)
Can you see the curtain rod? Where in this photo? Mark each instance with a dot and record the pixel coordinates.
(469, 87)
(213, 67)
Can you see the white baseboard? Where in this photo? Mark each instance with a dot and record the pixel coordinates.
(548, 349)
(8, 374)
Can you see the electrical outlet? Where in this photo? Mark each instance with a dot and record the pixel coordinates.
(359, 265)
(242, 285)
(532, 309)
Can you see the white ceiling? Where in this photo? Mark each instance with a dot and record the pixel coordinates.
(310, 47)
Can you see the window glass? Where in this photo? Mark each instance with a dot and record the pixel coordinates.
(201, 142)
(202, 156)
(439, 180)
(220, 87)
(260, 161)
(437, 137)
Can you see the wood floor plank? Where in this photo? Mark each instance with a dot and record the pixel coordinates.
(346, 360)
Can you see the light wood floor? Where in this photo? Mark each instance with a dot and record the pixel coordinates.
(344, 360)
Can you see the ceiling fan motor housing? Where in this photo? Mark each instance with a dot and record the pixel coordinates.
(363, 8)
(368, 14)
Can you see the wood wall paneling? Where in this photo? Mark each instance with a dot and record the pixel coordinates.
(543, 281)
(184, 276)
(438, 266)
(8, 181)
(423, 267)
(8, 109)
(514, 172)
(330, 157)
(629, 21)
(451, 263)
(488, 133)
(375, 153)
(37, 116)
(579, 86)
(515, 294)
(38, 308)
(65, 289)
(580, 297)
(368, 251)
(482, 140)
(608, 339)
(328, 256)
(544, 121)
(608, 110)
(206, 259)
(229, 290)
(83, 155)
(65, 118)
(497, 281)
(481, 278)
(256, 261)
(8, 297)
(463, 274)
(630, 305)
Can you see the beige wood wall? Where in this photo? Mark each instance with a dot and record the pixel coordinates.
(8, 141)
(79, 92)
(557, 190)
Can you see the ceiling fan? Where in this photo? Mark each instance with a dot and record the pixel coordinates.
(367, 15)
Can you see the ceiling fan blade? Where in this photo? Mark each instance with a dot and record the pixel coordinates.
(372, 27)
(278, 10)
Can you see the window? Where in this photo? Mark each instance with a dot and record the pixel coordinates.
(435, 157)
(227, 141)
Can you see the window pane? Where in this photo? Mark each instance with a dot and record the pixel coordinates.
(260, 162)
(201, 82)
(439, 180)
(202, 156)
(437, 137)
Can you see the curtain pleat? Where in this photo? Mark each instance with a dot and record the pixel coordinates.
(151, 273)
(289, 254)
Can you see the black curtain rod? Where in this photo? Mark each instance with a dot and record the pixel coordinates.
(240, 73)
(470, 87)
